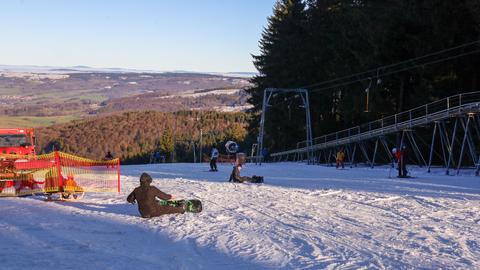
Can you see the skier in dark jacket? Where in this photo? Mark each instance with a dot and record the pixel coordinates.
(213, 159)
(402, 162)
(145, 195)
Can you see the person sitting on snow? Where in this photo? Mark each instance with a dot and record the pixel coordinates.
(146, 197)
(235, 175)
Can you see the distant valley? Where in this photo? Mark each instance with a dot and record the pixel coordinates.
(41, 96)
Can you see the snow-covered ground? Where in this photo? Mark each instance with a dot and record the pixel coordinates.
(303, 217)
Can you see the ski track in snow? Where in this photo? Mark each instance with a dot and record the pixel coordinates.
(303, 217)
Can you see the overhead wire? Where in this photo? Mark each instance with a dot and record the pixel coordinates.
(380, 75)
(374, 73)
(397, 71)
(394, 64)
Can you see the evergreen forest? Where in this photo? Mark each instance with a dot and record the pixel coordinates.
(361, 60)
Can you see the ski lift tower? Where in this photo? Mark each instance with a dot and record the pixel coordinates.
(303, 93)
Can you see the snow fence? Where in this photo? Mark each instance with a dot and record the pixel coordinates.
(56, 172)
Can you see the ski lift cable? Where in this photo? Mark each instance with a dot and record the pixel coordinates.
(394, 64)
(380, 75)
(396, 71)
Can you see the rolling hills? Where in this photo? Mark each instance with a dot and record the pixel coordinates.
(75, 94)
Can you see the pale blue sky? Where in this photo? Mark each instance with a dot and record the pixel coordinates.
(194, 35)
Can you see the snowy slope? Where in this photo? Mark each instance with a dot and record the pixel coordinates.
(303, 217)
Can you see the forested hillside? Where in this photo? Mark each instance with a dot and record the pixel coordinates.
(338, 49)
(132, 136)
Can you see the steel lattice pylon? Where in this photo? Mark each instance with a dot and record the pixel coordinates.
(453, 144)
(267, 94)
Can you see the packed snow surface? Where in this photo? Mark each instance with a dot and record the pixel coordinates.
(302, 217)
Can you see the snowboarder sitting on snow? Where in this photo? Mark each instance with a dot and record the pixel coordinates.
(235, 175)
(146, 197)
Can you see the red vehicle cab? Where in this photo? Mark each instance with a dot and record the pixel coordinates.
(17, 141)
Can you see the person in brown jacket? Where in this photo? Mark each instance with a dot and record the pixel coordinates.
(235, 175)
(145, 195)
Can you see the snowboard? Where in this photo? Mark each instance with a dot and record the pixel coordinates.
(257, 179)
(192, 206)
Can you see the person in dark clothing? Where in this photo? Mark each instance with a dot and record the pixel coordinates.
(402, 162)
(108, 156)
(265, 155)
(146, 197)
(401, 157)
(213, 159)
(157, 156)
(235, 175)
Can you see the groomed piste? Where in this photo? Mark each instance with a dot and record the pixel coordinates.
(302, 217)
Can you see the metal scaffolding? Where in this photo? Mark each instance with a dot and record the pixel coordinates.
(454, 123)
(303, 93)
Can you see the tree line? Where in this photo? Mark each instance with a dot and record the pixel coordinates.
(309, 42)
(133, 136)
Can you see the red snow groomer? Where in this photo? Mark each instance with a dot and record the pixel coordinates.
(17, 141)
(22, 172)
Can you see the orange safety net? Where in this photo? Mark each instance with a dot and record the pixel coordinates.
(56, 172)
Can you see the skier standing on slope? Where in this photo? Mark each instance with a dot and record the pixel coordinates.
(402, 162)
(146, 197)
(213, 159)
(340, 158)
(265, 155)
(108, 156)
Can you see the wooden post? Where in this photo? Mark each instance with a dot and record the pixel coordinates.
(118, 176)
(59, 171)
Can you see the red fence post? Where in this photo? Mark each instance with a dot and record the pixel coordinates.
(118, 175)
(59, 171)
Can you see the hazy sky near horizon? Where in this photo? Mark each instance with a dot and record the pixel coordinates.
(193, 35)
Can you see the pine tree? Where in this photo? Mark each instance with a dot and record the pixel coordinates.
(280, 66)
(337, 38)
(167, 143)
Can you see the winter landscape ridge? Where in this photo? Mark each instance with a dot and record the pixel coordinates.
(302, 217)
(42, 96)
